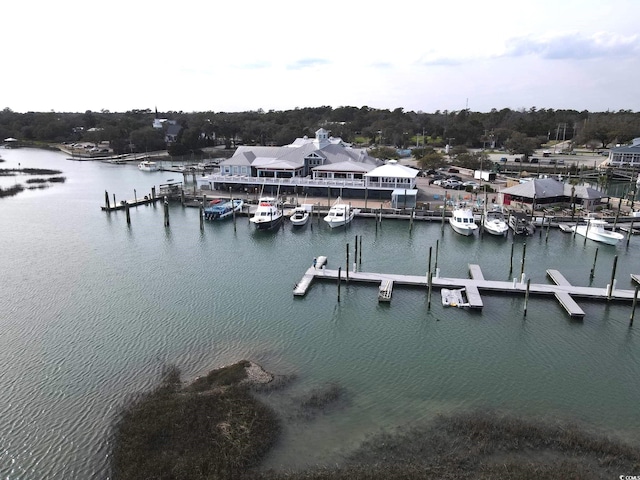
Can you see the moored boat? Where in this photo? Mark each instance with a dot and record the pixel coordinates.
(340, 214)
(220, 210)
(521, 224)
(148, 166)
(595, 230)
(494, 223)
(300, 215)
(267, 215)
(463, 221)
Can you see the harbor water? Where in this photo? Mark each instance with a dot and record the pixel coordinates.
(93, 309)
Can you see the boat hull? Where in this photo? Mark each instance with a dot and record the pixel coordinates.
(466, 231)
(268, 224)
(498, 229)
(599, 235)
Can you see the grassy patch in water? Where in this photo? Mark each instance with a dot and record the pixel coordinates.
(176, 432)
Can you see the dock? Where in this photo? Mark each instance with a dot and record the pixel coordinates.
(561, 289)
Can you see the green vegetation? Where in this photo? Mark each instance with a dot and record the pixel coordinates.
(132, 131)
(215, 428)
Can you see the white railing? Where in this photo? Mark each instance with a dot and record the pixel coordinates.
(302, 181)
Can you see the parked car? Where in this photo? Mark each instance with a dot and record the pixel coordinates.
(470, 183)
(517, 159)
(535, 160)
(454, 170)
(453, 184)
(503, 159)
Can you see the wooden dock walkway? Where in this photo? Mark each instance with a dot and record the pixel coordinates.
(561, 289)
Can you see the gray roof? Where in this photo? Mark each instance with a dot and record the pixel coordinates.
(551, 188)
(293, 156)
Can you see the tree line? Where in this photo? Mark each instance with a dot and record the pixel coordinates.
(133, 130)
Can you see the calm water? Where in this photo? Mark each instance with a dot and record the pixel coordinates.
(91, 310)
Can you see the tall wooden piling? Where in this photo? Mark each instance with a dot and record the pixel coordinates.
(114, 200)
(126, 211)
(166, 212)
(437, 248)
(201, 210)
(339, 276)
(135, 197)
(444, 208)
(633, 307)
(429, 263)
(355, 256)
(586, 233)
(629, 232)
(360, 250)
(524, 254)
(542, 225)
(429, 288)
(106, 200)
(347, 269)
(511, 257)
(153, 193)
(526, 296)
(613, 277)
(593, 268)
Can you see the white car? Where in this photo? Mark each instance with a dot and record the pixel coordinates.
(470, 183)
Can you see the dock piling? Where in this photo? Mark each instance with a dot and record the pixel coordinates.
(429, 288)
(339, 276)
(511, 257)
(347, 265)
(526, 296)
(106, 200)
(629, 232)
(613, 277)
(201, 210)
(437, 248)
(166, 212)
(593, 268)
(360, 250)
(524, 254)
(126, 211)
(135, 197)
(633, 308)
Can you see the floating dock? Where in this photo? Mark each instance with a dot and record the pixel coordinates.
(561, 288)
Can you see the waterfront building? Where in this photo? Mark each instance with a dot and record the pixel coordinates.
(313, 165)
(626, 156)
(549, 191)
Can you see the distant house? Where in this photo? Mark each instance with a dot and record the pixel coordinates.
(627, 156)
(172, 132)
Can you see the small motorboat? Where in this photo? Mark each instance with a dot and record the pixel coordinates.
(300, 215)
(221, 210)
(340, 214)
(148, 166)
(595, 230)
(521, 224)
(494, 223)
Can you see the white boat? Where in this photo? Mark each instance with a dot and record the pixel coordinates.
(300, 215)
(595, 230)
(148, 166)
(521, 224)
(340, 214)
(494, 223)
(267, 215)
(454, 297)
(463, 221)
(219, 210)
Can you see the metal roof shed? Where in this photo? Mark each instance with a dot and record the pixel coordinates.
(404, 198)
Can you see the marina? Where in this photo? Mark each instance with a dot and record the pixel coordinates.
(122, 301)
(562, 289)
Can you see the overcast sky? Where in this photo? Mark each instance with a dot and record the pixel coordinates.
(72, 56)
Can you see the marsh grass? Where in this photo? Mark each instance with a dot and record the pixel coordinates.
(215, 428)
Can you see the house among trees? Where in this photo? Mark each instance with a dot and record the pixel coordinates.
(310, 166)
